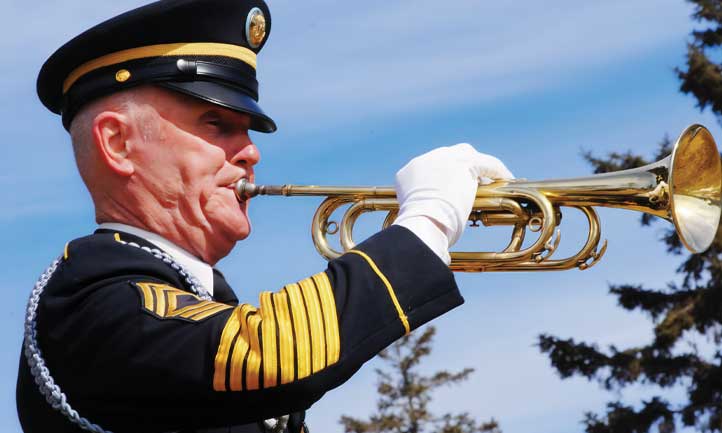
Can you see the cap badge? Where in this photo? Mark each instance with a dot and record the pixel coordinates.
(255, 27)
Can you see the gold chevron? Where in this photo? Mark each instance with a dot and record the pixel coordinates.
(162, 301)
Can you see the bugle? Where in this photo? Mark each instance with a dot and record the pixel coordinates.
(683, 188)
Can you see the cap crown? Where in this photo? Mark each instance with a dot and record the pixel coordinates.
(216, 41)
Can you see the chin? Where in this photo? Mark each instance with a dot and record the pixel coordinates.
(229, 224)
(242, 233)
(234, 228)
(224, 237)
(236, 225)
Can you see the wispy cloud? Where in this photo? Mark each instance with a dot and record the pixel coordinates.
(334, 61)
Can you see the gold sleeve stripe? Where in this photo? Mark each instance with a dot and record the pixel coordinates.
(293, 334)
(229, 333)
(328, 307)
(268, 328)
(285, 337)
(392, 294)
(300, 326)
(162, 50)
(253, 364)
(315, 320)
(240, 349)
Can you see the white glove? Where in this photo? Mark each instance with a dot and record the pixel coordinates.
(436, 193)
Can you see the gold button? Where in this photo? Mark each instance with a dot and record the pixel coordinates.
(122, 75)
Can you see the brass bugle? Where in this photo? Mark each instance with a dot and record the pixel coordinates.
(683, 188)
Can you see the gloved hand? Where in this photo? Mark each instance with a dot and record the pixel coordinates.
(436, 193)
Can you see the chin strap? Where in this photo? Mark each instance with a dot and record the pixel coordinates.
(40, 372)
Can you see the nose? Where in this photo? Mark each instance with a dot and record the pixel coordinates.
(247, 155)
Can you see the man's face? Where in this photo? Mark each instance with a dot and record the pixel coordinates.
(192, 153)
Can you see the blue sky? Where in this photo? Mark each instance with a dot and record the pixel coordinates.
(358, 89)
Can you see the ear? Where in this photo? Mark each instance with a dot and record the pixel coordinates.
(110, 135)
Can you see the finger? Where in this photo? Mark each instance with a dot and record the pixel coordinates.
(464, 149)
(491, 167)
(484, 165)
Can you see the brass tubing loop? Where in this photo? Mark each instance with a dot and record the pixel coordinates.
(683, 188)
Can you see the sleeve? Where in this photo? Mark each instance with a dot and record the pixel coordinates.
(159, 356)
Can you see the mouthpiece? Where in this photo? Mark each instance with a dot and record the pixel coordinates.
(245, 190)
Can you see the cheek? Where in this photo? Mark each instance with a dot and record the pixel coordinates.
(205, 158)
(159, 170)
(199, 165)
(184, 167)
(229, 220)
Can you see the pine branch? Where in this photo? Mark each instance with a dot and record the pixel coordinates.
(614, 162)
(703, 79)
(405, 394)
(707, 11)
(679, 313)
(649, 364)
(652, 302)
(570, 358)
(625, 419)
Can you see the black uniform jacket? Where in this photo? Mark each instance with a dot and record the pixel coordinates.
(135, 351)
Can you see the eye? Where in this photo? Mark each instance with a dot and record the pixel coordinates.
(211, 118)
(218, 125)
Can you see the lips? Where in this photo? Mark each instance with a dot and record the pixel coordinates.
(228, 179)
(232, 185)
(231, 182)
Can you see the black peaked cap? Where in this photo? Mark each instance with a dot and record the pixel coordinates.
(203, 48)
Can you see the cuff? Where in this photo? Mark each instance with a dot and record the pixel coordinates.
(429, 233)
(419, 282)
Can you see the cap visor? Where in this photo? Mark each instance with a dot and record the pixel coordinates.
(225, 96)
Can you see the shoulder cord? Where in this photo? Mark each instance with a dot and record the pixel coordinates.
(276, 425)
(46, 384)
(192, 281)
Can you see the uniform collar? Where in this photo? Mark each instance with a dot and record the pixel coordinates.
(198, 268)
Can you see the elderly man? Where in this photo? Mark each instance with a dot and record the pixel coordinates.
(132, 329)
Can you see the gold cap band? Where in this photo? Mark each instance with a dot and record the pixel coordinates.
(180, 49)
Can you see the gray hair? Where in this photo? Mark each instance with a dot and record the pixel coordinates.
(129, 102)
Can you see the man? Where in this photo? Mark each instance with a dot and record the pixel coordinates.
(132, 330)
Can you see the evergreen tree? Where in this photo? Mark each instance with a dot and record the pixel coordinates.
(405, 394)
(681, 313)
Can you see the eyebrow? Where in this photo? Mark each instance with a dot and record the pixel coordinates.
(210, 113)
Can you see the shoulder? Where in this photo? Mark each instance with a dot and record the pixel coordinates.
(99, 282)
(104, 257)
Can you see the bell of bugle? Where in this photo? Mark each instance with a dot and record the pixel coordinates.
(683, 188)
